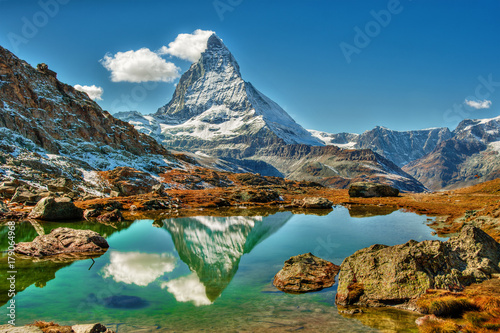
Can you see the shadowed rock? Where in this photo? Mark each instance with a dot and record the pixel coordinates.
(52, 209)
(305, 273)
(369, 190)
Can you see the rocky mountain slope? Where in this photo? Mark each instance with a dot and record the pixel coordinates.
(214, 112)
(335, 167)
(471, 156)
(48, 130)
(401, 147)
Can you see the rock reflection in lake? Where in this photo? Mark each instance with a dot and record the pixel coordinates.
(369, 210)
(212, 248)
(385, 319)
(39, 271)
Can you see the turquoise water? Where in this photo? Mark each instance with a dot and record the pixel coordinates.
(206, 273)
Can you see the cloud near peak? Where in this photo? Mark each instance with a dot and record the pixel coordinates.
(485, 104)
(93, 91)
(139, 66)
(144, 65)
(188, 46)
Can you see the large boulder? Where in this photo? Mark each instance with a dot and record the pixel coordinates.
(63, 240)
(262, 195)
(389, 275)
(305, 273)
(313, 202)
(369, 190)
(54, 209)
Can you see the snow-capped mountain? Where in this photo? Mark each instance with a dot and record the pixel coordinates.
(215, 112)
(401, 147)
(48, 129)
(214, 108)
(470, 156)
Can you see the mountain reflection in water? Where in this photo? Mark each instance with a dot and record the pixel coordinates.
(212, 248)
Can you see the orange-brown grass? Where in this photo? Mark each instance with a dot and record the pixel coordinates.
(478, 307)
(51, 327)
(445, 304)
(444, 326)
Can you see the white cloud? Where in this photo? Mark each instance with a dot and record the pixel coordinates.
(478, 104)
(188, 289)
(188, 46)
(94, 92)
(139, 66)
(138, 268)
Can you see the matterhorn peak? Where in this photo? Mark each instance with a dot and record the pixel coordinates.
(212, 105)
(214, 42)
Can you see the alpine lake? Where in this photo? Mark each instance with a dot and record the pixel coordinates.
(206, 273)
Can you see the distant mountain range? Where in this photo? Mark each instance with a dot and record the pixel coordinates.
(399, 147)
(438, 158)
(470, 156)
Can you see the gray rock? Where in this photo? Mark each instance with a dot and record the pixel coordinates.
(26, 195)
(383, 275)
(7, 189)
(369, 190)
(305, 273)
(62, 241)
(60, 185)
(313, 202)
(52, 209)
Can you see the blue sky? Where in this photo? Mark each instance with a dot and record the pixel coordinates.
(335, 66)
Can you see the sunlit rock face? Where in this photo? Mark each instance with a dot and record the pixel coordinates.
(138, 268)
(49, 127)
(212, 248)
